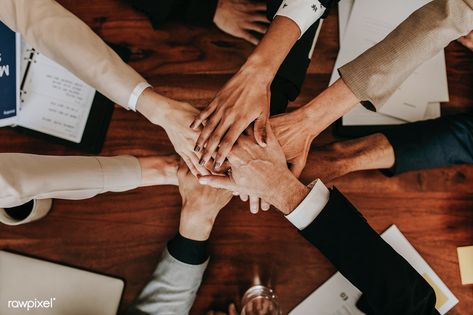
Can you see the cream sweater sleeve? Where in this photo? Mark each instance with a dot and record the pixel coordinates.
(377, 73)
(64, 38)
(24, 177)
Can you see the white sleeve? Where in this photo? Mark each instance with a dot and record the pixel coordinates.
(63, 37)
(303, 12)
(311, 206)
(24, 177)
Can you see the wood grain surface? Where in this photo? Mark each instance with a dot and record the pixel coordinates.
(123, 234)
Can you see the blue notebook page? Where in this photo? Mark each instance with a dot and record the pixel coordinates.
(9, 76)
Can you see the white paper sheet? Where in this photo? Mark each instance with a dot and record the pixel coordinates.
(344, 12)
(55, 101)
(337, 296)
(427, 84)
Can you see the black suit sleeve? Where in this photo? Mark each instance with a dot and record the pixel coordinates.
(432, 143)
(389, 284)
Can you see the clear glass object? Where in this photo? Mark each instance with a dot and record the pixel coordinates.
(260, 300)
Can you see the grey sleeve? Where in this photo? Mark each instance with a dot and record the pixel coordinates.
(172, 289)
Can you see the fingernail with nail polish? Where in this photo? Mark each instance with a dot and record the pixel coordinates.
(197, 148)
(202, 161)
(217, 165)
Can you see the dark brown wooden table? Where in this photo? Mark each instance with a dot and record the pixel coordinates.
(123, 234)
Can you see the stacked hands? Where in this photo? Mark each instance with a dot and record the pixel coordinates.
(253, 163)
(253, 157)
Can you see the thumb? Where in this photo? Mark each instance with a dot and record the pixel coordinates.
(260, 130)
(216, 181)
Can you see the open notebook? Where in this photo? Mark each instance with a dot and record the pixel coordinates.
(49, 100)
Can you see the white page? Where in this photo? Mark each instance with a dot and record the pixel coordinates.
(438, 87)
(433, 111)
(326, 299)
(365, 28)
(344, 12)
(361, 116)
(401, 245)
(337, 296)
(56, 102)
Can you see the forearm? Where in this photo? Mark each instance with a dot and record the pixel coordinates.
(265, 59)
(24, 177)
(327, 107)
(64, 38)
(366, 153)
(377, 73)
(433, 143)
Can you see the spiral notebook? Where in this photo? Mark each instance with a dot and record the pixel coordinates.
(42, 98)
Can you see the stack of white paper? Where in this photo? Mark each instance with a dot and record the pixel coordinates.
(363, 23)
(337, 296)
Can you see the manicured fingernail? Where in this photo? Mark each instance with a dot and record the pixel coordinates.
(217, 165)
(197, 148)
(192, 125)
(202, 161)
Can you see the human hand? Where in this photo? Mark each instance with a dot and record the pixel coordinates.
(261, 172)
(243, 100)
(200, 205)
(240, 18)
(175, 117)
(294, 138)
(467, 40)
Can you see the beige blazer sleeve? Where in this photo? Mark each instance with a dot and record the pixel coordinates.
(24, 177)
(63, 37)
(377, 73)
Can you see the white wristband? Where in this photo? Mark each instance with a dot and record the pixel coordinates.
(137, 91)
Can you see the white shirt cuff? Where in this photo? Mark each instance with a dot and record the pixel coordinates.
(137, 91)
(311, 206)
(303, 12)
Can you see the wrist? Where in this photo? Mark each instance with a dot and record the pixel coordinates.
(153, 106)
(328, 106)
(259, 70)
(261, 66)
(159, 170)
(289, 193)
(196, 225)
